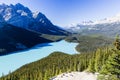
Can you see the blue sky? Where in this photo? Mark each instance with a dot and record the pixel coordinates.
(65, 12)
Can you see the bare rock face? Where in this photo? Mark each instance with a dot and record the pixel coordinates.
(76, 76)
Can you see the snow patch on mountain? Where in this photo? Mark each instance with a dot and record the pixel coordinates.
(35, 14)
(23, 13)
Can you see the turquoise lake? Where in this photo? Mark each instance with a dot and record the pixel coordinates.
(10, 63)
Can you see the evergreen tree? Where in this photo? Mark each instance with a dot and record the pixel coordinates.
(98, 60)
(91, 66)
(112, 65)
(117, 42)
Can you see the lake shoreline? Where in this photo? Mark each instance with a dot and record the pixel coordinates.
(14, 61)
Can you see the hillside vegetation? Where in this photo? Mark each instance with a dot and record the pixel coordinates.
(89, 43)
(103, 60)
(56, 63)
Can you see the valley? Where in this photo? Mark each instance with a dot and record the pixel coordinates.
(34, 47)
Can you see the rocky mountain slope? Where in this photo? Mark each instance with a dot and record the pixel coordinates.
(21, 16)
(14, 38)
(20, 28)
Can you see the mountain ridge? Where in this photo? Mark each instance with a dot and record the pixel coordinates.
(108, 27)
(21, 29)
(21, 16)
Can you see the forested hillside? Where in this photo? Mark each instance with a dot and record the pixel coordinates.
(89, 43)
(104, 61)
(56, 63)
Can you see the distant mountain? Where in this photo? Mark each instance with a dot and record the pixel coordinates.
(21, 16)
(14, 38)
(108, 27)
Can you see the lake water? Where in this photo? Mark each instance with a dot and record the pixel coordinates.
(16, 60)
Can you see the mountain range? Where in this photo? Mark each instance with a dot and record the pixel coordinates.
(20, 28)
(108, 27)
(21, 16)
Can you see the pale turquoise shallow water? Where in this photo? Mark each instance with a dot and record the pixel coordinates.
(14, 61)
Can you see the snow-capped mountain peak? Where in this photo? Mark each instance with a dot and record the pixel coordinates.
(108, 26)
(112, 19)
(9, 11)
(21, 16)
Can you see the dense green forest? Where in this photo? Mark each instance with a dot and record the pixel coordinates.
(89, 43)
(105, 61)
